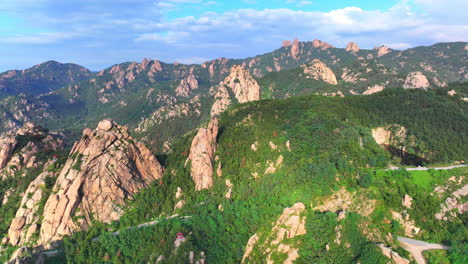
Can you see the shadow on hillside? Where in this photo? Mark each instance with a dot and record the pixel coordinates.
(409, 159)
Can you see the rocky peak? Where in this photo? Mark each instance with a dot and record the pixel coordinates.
(202, 155)
(242, 84)
(19, 150)
(416, 80)
(382, 50)
(321, 44)
(295, 48)
(286, 43)
(319, 71)
(186, 85)
(105, 168)
(352, 47)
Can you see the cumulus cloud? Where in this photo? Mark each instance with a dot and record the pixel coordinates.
(399, 24)
(119, 30)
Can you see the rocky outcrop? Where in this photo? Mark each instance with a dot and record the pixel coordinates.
(349, 76)
(295, 49)
(26, 221)
(454, 203)
(319, 71)
(407, 201)
(105, 168)
(19, 151)
(288, 226)
(222, 101)
(382, 50)
(389, 135)
(243, 85)
(318, 44)
(374, 89)
(389, 253)
(186, 85)
(202, 155)
(416, 80)
(408, 224)
(7, 144)
(352, 47)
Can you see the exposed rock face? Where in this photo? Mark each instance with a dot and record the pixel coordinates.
(416, 80)
(243, 85)
(349, 76)
(453, 202)
(7, 144)
(352, 47)
(25, 223)
(6, 196)
(19, 150)
(407, 201)
(105, 168)
(382, 50)
(295, 49)
(393, 134)
(408, 224)
(393, 255)
(201, 155)
(374, 89)
(288, 226)
(186, 85)
(321, 44)
(222, 101)
(319, 71)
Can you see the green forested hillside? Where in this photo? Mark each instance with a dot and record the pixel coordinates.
(308, 149)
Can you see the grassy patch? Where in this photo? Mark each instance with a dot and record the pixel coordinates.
(436, 257)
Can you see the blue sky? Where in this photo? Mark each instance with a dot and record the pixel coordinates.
(100, 33)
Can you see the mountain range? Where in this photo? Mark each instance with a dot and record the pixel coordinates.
(286, 157)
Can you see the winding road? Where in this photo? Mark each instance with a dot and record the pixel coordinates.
(416, 248)
(426, 168)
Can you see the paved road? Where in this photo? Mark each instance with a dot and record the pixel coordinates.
(426, 168)
(416, 248)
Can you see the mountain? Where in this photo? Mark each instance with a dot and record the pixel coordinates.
(286, 157)
(134, 93)
(42, 78)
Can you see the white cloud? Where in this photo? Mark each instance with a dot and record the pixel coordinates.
(399, 25)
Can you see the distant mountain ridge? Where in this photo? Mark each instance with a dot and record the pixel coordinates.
(132, 92)
(41, 78)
